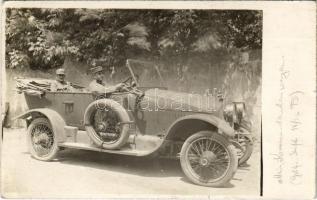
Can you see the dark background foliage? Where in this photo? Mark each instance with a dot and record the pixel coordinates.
(42, 38)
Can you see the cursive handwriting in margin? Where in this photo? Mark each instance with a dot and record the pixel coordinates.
(278, 156)
(295, 132)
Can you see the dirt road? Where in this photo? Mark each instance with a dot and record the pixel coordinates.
(86, 174)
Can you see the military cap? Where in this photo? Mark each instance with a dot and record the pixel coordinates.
(60, 71)
(96, 69)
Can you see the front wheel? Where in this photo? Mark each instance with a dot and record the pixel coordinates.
(41, 140)
(208, 159)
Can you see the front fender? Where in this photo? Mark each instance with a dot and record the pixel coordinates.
(54, 118)
(210, 119)
(244, 131)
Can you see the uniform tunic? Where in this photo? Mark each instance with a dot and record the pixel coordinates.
(97, 87)
(100, 87)
(58, 86)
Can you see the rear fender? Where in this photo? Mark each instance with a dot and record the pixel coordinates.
(206, 122)
(53, 117)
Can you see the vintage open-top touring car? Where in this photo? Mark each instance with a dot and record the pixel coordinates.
(144, 118)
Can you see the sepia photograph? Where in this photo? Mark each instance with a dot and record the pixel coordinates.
(106, 102)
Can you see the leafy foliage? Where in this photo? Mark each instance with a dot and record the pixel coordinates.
(42, 38)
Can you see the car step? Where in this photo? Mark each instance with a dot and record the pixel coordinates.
(92, 147)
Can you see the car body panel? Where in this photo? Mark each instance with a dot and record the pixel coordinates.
(148, 133)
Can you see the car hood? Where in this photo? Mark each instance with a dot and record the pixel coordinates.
(172, 100)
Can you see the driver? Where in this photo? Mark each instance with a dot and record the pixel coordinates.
(98, 85)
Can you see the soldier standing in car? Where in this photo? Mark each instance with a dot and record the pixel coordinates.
(60, 84)
(98, 85)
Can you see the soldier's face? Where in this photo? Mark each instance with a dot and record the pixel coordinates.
(61, 77)
(99, 76)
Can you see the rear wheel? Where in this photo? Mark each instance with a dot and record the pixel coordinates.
(208, 159)
(41, 140)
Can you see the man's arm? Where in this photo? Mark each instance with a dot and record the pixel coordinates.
(95, 87)
(69, 87)
(110, 89)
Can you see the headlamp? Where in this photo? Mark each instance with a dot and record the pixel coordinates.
(234, 112)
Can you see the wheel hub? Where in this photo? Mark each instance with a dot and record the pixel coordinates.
(102, 126)
(41, 139)
(207, 157)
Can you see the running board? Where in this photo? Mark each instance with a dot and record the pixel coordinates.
(124, 150)
(137, 145)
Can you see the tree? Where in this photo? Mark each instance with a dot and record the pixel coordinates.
(42, 38)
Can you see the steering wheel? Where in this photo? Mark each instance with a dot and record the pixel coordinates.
(128, 80)
(130, 86)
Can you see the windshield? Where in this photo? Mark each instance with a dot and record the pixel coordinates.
(145, 74)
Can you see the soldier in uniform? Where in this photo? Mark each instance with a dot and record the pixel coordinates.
(60, 84)
(98, 85)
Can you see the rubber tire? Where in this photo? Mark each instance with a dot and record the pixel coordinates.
(222, 140)
(247, 154)
(123, 115)
(55, 149)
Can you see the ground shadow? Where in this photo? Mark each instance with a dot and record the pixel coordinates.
(142, 166)
(227, 185)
